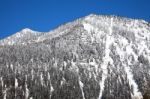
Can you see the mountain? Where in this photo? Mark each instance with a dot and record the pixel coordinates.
(94, 57)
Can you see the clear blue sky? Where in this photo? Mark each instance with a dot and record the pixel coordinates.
(44, 15)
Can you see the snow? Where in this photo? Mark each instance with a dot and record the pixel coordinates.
(16, 83)
(2, 83)
(81, 87)
(52, 89)
(27, 30)
(5, 93)
(88, 27)
(106, 59)
(49, 79)
(121, 53)
(42, 79)
(48, 76)
(39, 39)
(136, 92)
(10, 42)
(32, 74)
(100, 36)
(26, 91)
(95, 65)
(65, 64)
(62, 81)
(124, 41)
(130, 51)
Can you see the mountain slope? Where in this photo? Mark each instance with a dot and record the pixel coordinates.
(95, 57)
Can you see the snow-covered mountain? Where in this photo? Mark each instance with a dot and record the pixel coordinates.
(94, 57)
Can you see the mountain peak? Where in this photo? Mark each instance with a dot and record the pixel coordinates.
(27, 30)
(92, 14)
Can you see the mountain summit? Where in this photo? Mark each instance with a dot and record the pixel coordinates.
(94, 57)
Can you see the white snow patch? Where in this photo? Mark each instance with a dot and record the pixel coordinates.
(52, 89)
(88, 27)
(16, 82)
(48, 76)
(39, 39)
(2, 83)
(11, 66)
(11, 42)
(5, 93)
(104, 76)
(81, 87)
(26, 30)
(42, 79)
(136, 92)
(26, 91)
(124, 41)
(32, 75)
(62, 81)
(107, 59)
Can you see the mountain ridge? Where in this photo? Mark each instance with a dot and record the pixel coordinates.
(90, 15)
(94, 57)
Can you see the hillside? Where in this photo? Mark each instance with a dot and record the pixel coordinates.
(94, 57)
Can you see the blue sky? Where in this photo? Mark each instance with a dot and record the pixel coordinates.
(44, 15)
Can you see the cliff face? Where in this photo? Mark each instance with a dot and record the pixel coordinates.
(95, 57)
